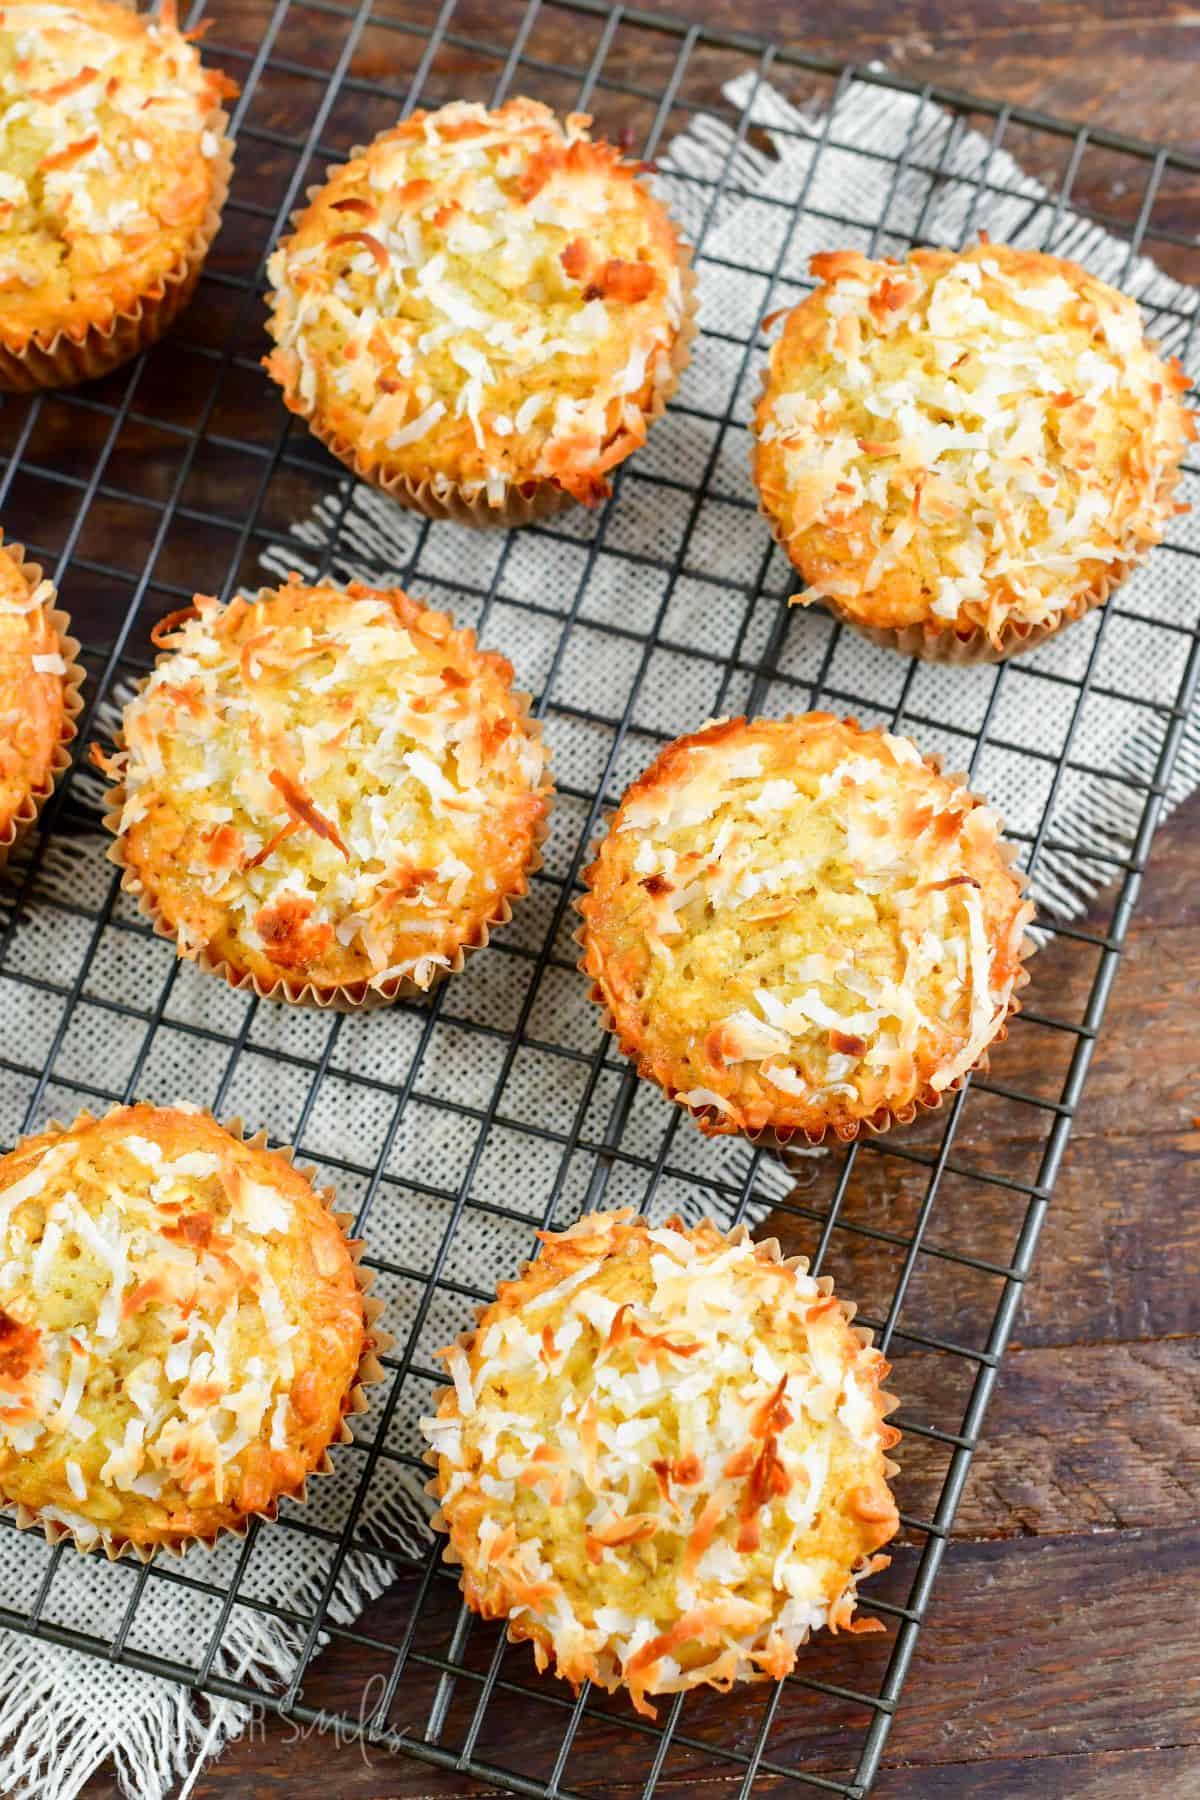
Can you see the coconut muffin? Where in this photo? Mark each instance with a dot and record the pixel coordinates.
(182, 1330)
(963, 453)
(481, 312)
(798, 927)
(39, 692)
(113, 167)
(664, 1458)
(327, 794)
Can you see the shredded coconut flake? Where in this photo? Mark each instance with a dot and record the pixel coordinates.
(801, 923)
(670, 1441)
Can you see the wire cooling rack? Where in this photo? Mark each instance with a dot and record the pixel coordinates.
(182, 472)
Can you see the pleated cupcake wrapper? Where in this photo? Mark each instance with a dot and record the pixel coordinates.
(467, 503)
(32, 803)
(713, 1123)
(938, 641)
(357, 996)
(518, 1631)
(70, 357)
(370, 1373)
(943, 643)
(946, 645)
(439, 498)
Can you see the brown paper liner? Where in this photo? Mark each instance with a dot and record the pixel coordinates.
(934, 640)
(370, 1372)
(69, 357)
(523, 502)
(356, 996)
(886, 1404)
(713, 1123)
(946, 645)
(33, 802)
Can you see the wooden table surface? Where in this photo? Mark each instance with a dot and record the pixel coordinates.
(1060, 1654)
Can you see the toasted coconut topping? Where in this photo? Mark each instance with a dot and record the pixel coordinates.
(970, 441)
(33, 689)
(180, 1326)
(326, 784)
(483, 298)
(800, 925)
(106, 160)
(693, 1479)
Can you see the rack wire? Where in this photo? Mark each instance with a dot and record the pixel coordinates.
(180, 472)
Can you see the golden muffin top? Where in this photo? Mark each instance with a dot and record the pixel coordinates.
(328, 785)
(109, 133)
(485, 298)
(970, 441)
(180, 1327)
(799, 925)
(34, 686)
(663, 1456)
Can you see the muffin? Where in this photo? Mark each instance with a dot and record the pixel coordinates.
(327, 795)
(481, 312)
(40, 699)
(800, 928)
(664, 1457)
(963, 453)
(182, 1330)
(114, 165)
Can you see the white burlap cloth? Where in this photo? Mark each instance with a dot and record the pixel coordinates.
(62, 1713)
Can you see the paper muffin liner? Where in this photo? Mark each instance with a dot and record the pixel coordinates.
(355, 996)
(934, 640)
(522, 502)
(33, 802)
(370, 1372)
(71, 357)
(517, 1631)
(944, 644)
(713, 1123)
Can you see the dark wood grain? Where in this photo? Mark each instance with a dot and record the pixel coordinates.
(1051, 1647)
(1167, 1774)
(1088, 1438)
(1059, 1659)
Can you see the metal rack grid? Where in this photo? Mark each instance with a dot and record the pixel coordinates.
(179, 472)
